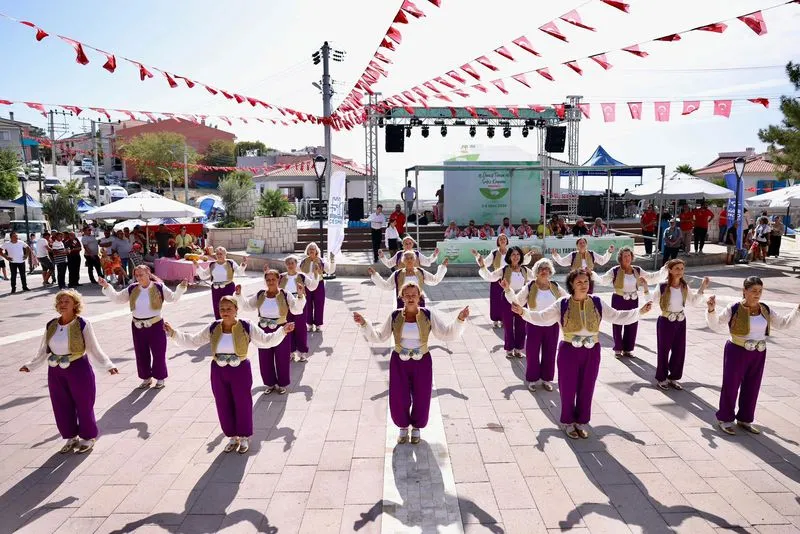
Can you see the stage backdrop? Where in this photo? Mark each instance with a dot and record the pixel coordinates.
(487, 195)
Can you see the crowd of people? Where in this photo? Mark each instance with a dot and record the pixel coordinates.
(556, 226)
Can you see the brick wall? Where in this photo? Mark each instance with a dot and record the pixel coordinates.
(279, 233)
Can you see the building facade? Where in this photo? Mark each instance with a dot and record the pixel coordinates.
(760, 173)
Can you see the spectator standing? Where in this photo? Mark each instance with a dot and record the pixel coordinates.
(91, 254)
(686, 224)
(649, 221)
(408, 195)
(579, 229)
(399, 219)
(33, 262)
(701, 216)
(673, 237)
(73, 247)
(762, 235)
(377, 222)
(730, 244)
(162, 239)
(776, 236)
(16, 252)
(666, 217)
(122, 247)
(60, 253)
(392, 237)
(42, 249)
(440, 204)
(723, 224)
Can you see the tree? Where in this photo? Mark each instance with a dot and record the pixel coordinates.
(9, 164)
(148, 152)
(234, 189)
(784, 140)
(685, 168)
(220, 153)
(243, 146)
(273, 203)
(62, 208)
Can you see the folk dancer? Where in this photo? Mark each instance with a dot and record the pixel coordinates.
(673, 297)
(231, 375)
(274, 305)
(579, 351)
(221, 273)
(541, 342)
(145, 298)
(516, 276)
(749, 323)
(626, 279)
(409, 273)
(314, 266)
(395, 261)
(290, 281)
(410, 365)
(496, 259)
(67, 345)
(582, 258)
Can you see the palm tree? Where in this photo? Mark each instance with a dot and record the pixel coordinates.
(62, 208)
(685, 168)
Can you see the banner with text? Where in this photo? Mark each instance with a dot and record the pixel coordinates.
(336, 210)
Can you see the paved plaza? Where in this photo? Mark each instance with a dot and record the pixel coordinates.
(323, 458)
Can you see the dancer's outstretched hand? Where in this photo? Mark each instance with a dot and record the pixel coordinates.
(301, 290)
(646, 308)
(711, 303)
(238, 289)
(504, 284)
(168, 329)
(611, 248)
(705, 284)
(288, 328)
(102, 281)
(516, 308)
(446, 261)
(371, 271)
(463, 314)
(359, 319)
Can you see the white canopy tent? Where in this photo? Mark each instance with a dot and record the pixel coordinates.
(144, 205)
(679, 186)
(788, 197)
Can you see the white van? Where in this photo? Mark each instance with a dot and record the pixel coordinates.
(111, 193)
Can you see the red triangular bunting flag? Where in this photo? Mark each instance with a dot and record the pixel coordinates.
(128, 113)
(394, 35)
(400, 18)
(444, 82)
(537, 108)
(111, 62)
(575, 19)
(462, 94)
(493, 111)
(239, 98)
(560, 110)
(420, 92)
(723, 107)
(622, 6)
(584, 110)
(500, 86)
(409, 96)
(102, 111)
(430, 86)
(210, 89)
(143, 72)
(551, 29)
(601, 60)
(525, 44)
(409, 109)
(755, 21)
(74, 109)
(662, 111)
(226, 119)
(717, 27)
(503, 51)
(437, 3)
(483, 60)
(480, 88)
(609, 112)
(149, 116)
(37, 106)
(514, 110)
(522, 79)
(40, 33)
(636, 110)
(466, 67)
(763, 101)
(387, 44)
(443, 97)
(669, 38)
(226, 94)
(80, 55)
(636, 51)
(690, 106)
(545, 73)
(457, 77)
(252, 101)
(471, 111)
(172, 83)
(383, 58)
(409, 7)
(574, 66)
(453, 112)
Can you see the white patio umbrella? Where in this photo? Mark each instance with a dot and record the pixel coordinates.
(787, 197)
(679, 186)
(144, 205)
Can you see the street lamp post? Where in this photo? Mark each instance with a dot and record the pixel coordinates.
(738, 169)
(22, 179)
(171, 192)
(320, 164)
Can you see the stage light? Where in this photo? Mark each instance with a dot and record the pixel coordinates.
(490, 132)
(408, 131)
(444, 131)
(507, 132)
(380, 122)
(525, 131)
(425, 131)
(472, 131)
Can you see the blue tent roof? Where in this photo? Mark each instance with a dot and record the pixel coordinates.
(601, 158)
(84, 206)
(31, 202)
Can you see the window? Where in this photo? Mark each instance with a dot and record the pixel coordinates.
(5, 135)
(292, 192)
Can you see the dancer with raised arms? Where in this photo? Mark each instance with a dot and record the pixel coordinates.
(496, 259)
(582, 258)
(146, 297)
(67, 346)
(578, 359)
(410, 365)
(221, 273)
(409, 272)
(231, 375)
(315, 267)
(748, 322)
(289, 282)
(395, 261)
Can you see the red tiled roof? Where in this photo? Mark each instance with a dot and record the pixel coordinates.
(307, 169)
(755, 164)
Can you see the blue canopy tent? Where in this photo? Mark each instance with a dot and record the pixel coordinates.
(83, 206)
(31, 202)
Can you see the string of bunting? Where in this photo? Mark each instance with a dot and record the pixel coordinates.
(145, 72)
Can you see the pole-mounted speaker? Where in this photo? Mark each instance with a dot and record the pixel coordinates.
(395, 138)
(555, 139)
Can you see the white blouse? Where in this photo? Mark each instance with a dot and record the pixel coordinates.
(258, 337)
(758, 325)
(59, 344)
(291, 282)
(552, 314)
(269, 308)
(327, 268)
(566, 261)
(440, 329)
(517, 281)
(428, 278)
(393, 262)
(607, 278)
(142, 309)
(409, 339)
(225, 345)
(544, 297)
(693, 298)
(218, 273)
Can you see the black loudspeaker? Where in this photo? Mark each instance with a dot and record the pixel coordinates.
(396, 139)
(590, 207)
(556, 137)
(355, 209)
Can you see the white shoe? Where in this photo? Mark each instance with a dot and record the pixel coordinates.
(232, 445)
(548, 386)
(509, 354)
(69, 445)
(268, 390)
(85, 445)
(302, 357)
(531, 386)
(244, 445)
(318, 328)
(402, 436)
(145, 384)
(518, 354)
(414, 436)
(280, 390)
(664, 385)
(159, 384)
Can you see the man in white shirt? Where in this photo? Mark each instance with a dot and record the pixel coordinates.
(16, 252)
(409, 195)
(91, 254)
(377, 222)
(42, 248)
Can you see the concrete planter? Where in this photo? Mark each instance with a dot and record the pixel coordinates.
(279, 233)
(230, 238)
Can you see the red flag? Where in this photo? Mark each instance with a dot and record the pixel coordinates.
(522, 79)
(400, 18)
(172, 83)
(763, 101)
(252, 101)
(560, 110)
(466, 67)
(239, 98)
(437, 3)
(103, 111)
(722, 108)
(636, 110)
(537, 108)
(226, 94)
(37, 106)
(143, 72)
(149, 116)
(383, 58)
(755, 21)
(500, 86)
(471, 111)
(461, 93)
(601, 60)
(493, 111)
(457, 77)
(128, 113)
(9, 102)
(387, 44)
(662, 111)
(609, 111)
(443, 97)
(585, 108)
(483, 60)
(551, 29)
(575, 19)
(74, 109)
(480, 88)
(420, 92)
(430, 86)
(453, 112)
(243, 120)
(669, 38)
(717, 27)
(622, 6)
(409, 109)
(394, 35)
(690, 106)
(444, 82)
(526, 45)
(514, 110)
(409, 7)
(409, 96)
(210, 89)
(545, 73)
(80, 55)
(226, 119)
(574, 66)
(40, 33)
(503, 51)
(111, 62)
(635, 50)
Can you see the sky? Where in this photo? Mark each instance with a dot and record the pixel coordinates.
(263, 49)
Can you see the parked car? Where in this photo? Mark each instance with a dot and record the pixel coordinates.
(87, 165)
(133, 187)
(109, 179)
(50, 185)
(111, 193)
(36, 227)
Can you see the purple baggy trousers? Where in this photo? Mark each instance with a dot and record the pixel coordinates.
(577, 373)
(624, 336)
(72, 393)
(741, 376)
(315, 305)
(150, 347)
(274, 362)
(544, 340)
(671, 343)
(410, 384)
(231, 389)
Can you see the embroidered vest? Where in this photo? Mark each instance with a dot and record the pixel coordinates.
(576, 260)
(240, 333)
(77, 345)
(619, 278)
(533, 290)
(156, 292)
(497, 258)
(507, 273)
(423, 323)
(400, 279)
(739, 324)
(665, 289)
(306, 266)
(228, 265)
(398, 258)
(280, 300)
(571, 320)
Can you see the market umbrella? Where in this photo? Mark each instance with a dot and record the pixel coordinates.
(780, 198)
(681, 185)
(144, 205)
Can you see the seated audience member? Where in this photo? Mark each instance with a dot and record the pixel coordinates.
(557, 226)
(579, 228)
(598, 228)
(541, 229)
(506, 229)
(487, 230)
(452, 231)
(525, 230)
(470, 230)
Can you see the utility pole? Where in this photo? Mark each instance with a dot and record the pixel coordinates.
(53, 144)
(96, 170)
(185, 173)
(22, 178)
(327, 95)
